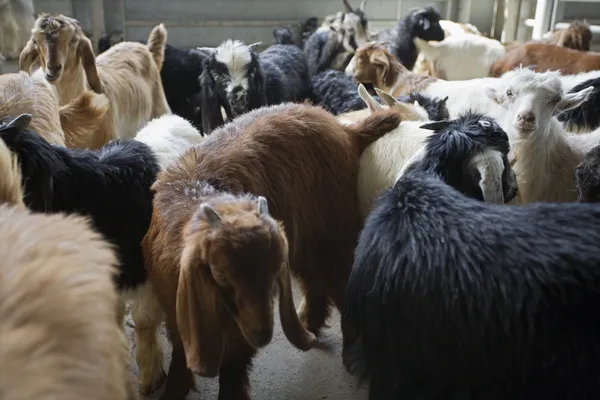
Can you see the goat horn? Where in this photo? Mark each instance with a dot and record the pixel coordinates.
(362, 5)
(263, 207)
(21, 122)
(212, 217)
(348, 7)
(253, 45)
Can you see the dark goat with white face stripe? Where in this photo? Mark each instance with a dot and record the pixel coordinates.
(240, 80)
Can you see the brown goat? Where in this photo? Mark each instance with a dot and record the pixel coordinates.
(128, 73)
(59, 333)
(543, 57)
(375, 65)
(576, 36)
(72, 124)
(213, 254)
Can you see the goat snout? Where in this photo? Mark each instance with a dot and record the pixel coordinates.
(53, 71)
(526, 116)
(238, 101)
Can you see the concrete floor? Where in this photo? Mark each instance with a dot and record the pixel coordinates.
(280, 371)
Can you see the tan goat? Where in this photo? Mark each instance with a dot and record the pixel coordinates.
(72, 124)
(59, 333)
(375, 65)
(128, 73)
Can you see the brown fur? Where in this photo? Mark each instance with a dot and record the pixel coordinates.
(128, 73)
(72, 124)
(305, 163)
(375, 65)
(59, 333)
(547, 57)
(576, 36)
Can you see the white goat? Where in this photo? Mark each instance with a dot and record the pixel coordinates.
(128, 73)
(545, 155)
(169, 136)
(461, 57)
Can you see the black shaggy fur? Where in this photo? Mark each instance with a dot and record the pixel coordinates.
(454, 298)
(587, 177)
(423, 23)
(321, 49)
(277, 75)
(586, 117)
(338, 93)
(283, 35)
(110, 185)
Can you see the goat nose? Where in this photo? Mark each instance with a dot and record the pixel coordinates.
(527, 116)
(54, 69)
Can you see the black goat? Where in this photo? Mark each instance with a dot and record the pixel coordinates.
(239, 80)
(587, 177)
(584, 118)
(333, 44)
(454, 298)
(110, 185)
(423, 23)
(284, 35)
(338, 93)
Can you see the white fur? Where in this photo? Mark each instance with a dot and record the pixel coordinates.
(169, 136)
(461, 57)
(546, 157)
(491, 167)
(236, 56)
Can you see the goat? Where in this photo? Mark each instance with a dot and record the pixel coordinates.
(111, 186)
(456, 298)
(72, 124)
(461, 57)
(332, 45)
(584, 118)
(128, 73)
(57, 304)
(15, 18)
(543, 57)
(237, 79)
(283, 35)
(423, 23)
(169, 136)
(545, 155)
(587, 177)
(576, 36)
(217, 324)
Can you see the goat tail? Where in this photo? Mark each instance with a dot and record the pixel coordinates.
(11, 191)
(365, 132)
(156, 44)
(82, 118)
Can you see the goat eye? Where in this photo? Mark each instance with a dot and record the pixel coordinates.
(509, 93)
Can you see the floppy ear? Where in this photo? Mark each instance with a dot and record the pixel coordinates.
(378, 57)
(28, 56)
(20, 123)
(198, 311)
(368, 99)
(210, 104)
(88, 61)
(436, 125)
(293, 329)
(572, 100)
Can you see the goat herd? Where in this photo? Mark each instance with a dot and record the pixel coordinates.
(447, 225)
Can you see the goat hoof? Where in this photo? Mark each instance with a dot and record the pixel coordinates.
(154, 384)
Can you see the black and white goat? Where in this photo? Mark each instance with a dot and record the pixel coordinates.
(584, 118)
(111, 186)
(587, 177)
(338, 93)
(239, 80)
(423, 23)
(333, 44)
(454, 298)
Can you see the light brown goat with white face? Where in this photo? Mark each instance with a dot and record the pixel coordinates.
(128, 73)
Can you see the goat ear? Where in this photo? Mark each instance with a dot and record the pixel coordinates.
(210, 105)
(89, 64)
(28, 56)
(494, 94)
(20, 123)
(572, 100)
(368, 99)
(293, 329)
(378, 57)
(490, 166)
(434, 126)
(198, 310)
(386, 97)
